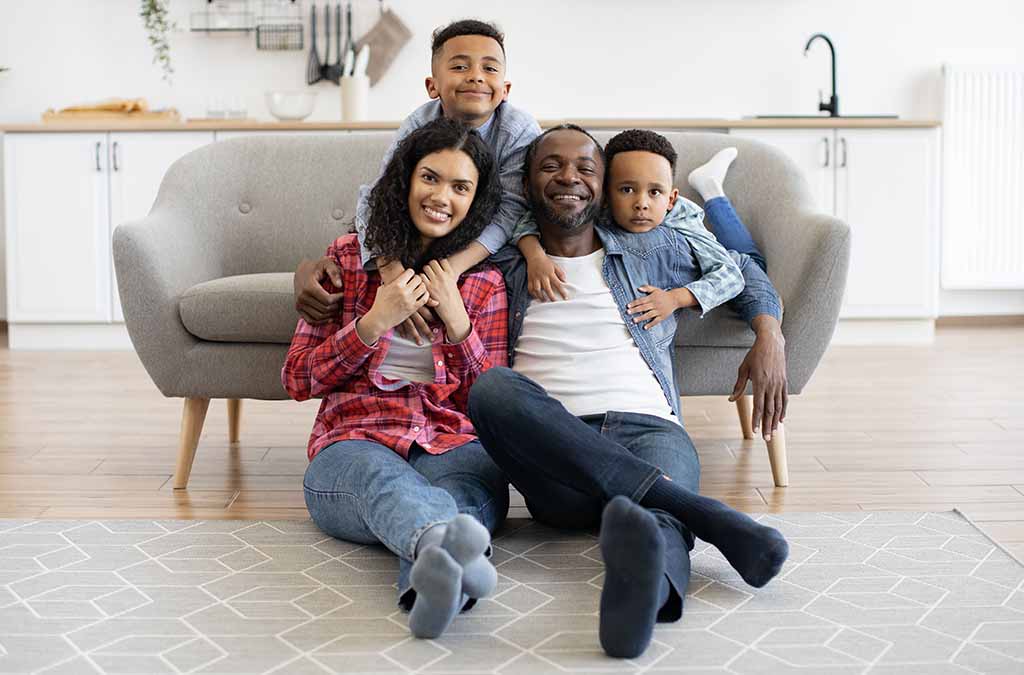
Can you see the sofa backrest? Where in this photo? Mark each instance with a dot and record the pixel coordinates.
(271, 200)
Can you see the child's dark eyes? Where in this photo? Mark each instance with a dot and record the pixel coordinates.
(655, 193)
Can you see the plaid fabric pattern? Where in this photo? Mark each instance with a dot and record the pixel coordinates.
(331, 361)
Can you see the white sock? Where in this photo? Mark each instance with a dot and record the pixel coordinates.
(707, 179)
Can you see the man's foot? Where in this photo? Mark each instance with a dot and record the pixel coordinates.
(634, 560)
(467, 541)
(707, 179)
(756, 551)
(437, 579)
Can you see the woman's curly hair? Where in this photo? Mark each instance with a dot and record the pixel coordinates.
(390, 231)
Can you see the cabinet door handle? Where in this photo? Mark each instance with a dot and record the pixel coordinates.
(114, 154)
(827, 156)
(843, 164)
(98, 168)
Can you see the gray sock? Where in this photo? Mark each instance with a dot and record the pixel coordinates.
(431, 537)
(437, 579)
(467, 541)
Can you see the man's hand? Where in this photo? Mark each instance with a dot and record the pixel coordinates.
(312, 302)
(659, 304)
(765, 367)
(415, 327)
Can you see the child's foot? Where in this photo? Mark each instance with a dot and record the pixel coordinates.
(634, 560)
(467, 541)
(707, 179)
(437, 579)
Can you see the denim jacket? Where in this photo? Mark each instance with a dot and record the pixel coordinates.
(661, 257)
(509, 133)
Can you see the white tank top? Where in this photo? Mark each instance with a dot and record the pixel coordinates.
(581, 351)
(408, 361)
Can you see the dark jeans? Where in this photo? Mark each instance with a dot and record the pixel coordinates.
(569, 467)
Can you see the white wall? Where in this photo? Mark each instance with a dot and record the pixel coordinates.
(567, 58)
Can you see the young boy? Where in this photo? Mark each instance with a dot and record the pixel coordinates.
(467, 82)
(639, 193)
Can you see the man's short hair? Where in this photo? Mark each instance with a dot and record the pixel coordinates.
(465, 27)
(531, 150)
(641, 140)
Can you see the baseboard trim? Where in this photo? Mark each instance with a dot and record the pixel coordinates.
(884, 332)
(68, 337)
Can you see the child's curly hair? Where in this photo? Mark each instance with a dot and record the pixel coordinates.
(390, 231)
(641, 139)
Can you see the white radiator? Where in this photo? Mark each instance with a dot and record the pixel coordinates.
(983, 178)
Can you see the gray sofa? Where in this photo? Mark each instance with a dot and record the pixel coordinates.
(206, 278)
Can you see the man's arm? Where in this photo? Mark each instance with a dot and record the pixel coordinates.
(765, 364)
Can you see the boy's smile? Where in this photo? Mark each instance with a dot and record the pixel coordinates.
(468, 75)
(640, 190)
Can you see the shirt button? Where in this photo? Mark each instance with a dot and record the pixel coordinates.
(435, 330)
(415, 428)
(440, 363)
(426, 446)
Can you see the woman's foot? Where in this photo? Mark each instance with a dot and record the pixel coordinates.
(437, 579)
(634, 562)
(707, 179)
(467, 541)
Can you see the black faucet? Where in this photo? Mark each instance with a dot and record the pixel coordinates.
(833, 105)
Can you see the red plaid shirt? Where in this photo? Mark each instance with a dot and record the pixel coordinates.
(331, 361)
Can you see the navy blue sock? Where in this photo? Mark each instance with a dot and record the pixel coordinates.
(756, 551)
(635, 586)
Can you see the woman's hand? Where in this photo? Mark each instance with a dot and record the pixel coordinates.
(395, 302)
(441, 284)
(415, 327)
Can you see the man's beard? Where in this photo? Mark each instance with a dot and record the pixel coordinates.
(544, 212)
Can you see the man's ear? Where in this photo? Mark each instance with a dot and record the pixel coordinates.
(672, 198)
(508, 88)
(432, 91)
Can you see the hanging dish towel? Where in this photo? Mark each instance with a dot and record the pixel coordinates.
(386, 39)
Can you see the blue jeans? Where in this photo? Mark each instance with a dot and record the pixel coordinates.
(367, 493)
(730, 230)
(567, 468)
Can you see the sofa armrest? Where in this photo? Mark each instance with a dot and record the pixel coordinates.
(156, 259)
(808, 255)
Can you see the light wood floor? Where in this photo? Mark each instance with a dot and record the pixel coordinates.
(918, 428)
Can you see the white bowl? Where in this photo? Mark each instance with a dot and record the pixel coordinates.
(290, 105)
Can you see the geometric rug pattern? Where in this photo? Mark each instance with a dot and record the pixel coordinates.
(864, 592)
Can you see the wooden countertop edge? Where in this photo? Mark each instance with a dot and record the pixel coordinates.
(683, 123)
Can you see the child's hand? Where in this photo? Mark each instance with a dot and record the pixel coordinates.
(545, 278)
(655, 307)
(440, 281)
(415, 327)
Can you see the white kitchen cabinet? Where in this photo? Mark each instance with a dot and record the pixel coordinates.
(58, 232)
(65, 193)
(138, 162)
(884, 184)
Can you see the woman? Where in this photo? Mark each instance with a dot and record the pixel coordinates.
(393, 456)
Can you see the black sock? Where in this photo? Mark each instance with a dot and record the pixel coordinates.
(755, 551)
(635, 586)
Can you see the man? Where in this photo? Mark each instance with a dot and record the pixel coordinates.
(594, 434)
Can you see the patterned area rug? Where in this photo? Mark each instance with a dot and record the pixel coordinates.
(862, 593)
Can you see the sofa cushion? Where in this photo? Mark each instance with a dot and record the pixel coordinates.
(720, 328)
(244, 308)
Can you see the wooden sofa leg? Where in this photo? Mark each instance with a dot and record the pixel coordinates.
(191, 427)
(745, 410)
(234, 418)
(777, 457)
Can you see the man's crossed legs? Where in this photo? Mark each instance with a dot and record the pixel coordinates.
(643, 474)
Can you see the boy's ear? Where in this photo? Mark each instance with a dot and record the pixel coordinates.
(432, 91)
(672, 198)
(508, 88)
